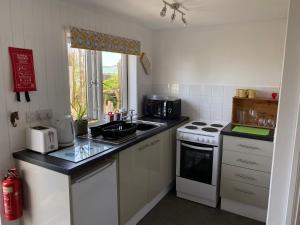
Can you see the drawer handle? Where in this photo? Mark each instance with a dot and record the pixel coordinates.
(249, 147)
(244, 192)
(143, 147)
(245, 177)
(247, 162)
(155, 142)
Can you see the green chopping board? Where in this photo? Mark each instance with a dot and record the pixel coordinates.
(251, 130)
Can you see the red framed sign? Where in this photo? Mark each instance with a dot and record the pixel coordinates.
(23, 69)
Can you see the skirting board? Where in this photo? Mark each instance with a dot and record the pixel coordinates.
(196, 199)
(147, 208)
(244, 209)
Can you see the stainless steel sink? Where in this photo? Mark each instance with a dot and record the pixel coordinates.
(146, 126)
(142, 127)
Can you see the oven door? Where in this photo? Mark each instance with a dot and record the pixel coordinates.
(196, 162)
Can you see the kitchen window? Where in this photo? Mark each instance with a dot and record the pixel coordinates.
(98, 82)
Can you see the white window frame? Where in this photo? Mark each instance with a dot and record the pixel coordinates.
(95, 111)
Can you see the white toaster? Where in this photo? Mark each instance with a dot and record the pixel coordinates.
(41, 139)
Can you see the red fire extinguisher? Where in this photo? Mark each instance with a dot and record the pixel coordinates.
(12, 195)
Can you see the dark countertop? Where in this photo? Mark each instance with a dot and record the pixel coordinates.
(68, 167)
(228, 131)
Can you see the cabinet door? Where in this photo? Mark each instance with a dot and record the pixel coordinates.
(161, 162)
(133, 180)
(155, 165)
(94, 196)
(168, 155)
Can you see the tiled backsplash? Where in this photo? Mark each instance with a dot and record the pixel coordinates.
(210, 102)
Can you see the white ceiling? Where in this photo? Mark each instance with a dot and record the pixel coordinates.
(202, 12)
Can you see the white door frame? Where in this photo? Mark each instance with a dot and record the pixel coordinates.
(296, 199)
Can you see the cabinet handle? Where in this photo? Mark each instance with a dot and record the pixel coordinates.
(247, 162)
(249, 147)
(84, 178)
(244, 191)
(245, 177)
(143, 147)
(155, 142)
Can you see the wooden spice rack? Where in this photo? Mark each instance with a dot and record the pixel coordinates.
(264, 109)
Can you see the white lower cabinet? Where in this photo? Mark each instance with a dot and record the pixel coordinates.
(89, 197)
(94, 196)
(133, 180)
(145, 170)
(245, 177)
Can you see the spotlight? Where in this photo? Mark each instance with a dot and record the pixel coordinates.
(184, 21)
(173, 16)
(163, 11)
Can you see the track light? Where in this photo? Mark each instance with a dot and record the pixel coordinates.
(163, 11)
(176, 6)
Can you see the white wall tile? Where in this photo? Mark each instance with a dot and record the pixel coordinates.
(183, 90)
(207, 90)
(217, 91)
(204, 101)
(196, 90)
(205, 114)
(161, 89)
(216, 113)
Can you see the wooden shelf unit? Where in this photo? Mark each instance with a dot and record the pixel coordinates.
(265, 108)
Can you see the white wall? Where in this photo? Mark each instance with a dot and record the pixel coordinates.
(205, 65)
(286, 154)
(39, 24)
(243, 54)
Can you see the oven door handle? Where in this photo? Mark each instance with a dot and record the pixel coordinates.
(196, 147)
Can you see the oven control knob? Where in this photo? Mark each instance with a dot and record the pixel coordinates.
(208, 141)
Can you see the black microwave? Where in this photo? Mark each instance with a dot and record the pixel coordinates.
(161, 107)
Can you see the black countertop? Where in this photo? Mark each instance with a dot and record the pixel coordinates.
(228, 131)
(68, 167)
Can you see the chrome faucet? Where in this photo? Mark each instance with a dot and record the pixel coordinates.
(131, 115)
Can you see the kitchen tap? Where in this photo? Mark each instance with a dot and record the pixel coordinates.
(132, 115)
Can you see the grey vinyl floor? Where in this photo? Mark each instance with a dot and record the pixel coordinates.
(175, 211)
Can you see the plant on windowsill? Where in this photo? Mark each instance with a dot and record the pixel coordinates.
(81, 123)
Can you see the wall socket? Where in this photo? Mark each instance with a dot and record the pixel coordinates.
(39, 115)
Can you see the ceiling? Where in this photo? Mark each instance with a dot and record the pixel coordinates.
(201, 13)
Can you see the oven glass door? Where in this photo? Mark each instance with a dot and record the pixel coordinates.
(196, 162)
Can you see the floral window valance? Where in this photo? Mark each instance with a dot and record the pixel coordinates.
(85, 39)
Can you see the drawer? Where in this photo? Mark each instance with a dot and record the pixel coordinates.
(247, 145)
(246, 176)
(245, 193)
(254, 162)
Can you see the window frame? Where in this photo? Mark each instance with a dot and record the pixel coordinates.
(94, 73)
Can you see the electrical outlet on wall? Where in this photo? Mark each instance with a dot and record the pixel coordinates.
(39, 115)
(32, 117)
(45, 114)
